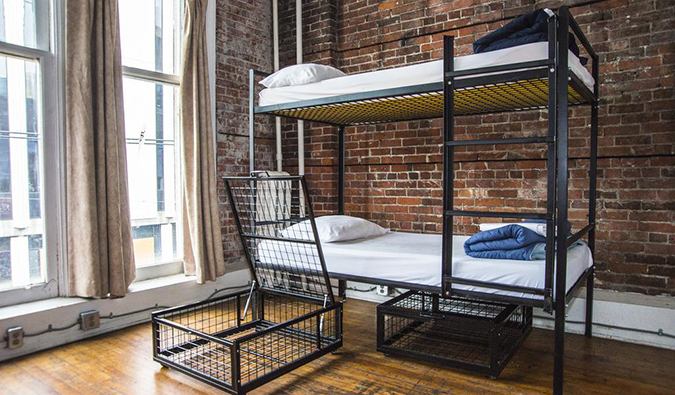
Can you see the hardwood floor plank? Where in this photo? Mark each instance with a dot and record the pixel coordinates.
(121, 363)
(16, 380)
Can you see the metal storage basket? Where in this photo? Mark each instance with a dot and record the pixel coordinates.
(288, 318)
(469, 333)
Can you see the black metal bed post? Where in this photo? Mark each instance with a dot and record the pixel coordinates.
(342, 284)
(305, 191)
(593, 176)
(551, 163)
(562, 206)
(448, 162)
(342, 290)
(341, 170)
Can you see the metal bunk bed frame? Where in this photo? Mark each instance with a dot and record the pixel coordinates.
(542, 84)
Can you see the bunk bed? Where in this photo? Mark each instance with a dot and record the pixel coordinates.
(542, 76)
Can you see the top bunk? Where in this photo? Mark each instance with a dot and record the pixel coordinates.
(511, 79)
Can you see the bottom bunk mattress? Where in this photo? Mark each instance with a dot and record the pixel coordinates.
(415, 258)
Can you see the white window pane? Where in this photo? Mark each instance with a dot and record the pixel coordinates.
(150, 111)
(22, 259)
(5, 263)
(150, 31)
(18, 22)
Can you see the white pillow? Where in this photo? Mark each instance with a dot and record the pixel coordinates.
(301, 74)
(332, 228)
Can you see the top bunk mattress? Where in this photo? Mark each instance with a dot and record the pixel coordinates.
(418, 74)
(415, 258)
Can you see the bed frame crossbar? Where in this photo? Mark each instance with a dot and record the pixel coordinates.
(500, 69)
(526, 140)
(497, 214)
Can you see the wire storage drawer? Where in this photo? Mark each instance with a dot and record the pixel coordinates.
(238, 348)
(288, 318)
(474, 334)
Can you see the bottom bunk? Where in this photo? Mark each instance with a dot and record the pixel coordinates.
(413, 261)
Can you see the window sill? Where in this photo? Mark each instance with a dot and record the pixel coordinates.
(135, 288)
(158, 271)
(55, 303)
(19, 310)
(134, 308)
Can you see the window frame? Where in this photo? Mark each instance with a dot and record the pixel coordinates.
(172, 266)
(48, 55)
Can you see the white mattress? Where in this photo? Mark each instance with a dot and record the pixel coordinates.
(416, 258)
(417, 74)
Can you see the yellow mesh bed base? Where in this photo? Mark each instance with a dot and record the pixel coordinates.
(510, 96)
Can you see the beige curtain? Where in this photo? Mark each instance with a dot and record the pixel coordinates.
(100, 249)
(201, 220)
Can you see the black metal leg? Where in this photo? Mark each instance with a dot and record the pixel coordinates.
(380, 329)
(559, 351)
(434, 303)
(589, 304)
(448, 162)
(342, 289)
(562, 201)
(551, 164)
(593, 180)
(341, 170)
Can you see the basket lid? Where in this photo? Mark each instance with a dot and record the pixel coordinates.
(276, 224)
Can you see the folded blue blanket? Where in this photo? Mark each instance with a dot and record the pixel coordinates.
(509, 242)
(526, 29)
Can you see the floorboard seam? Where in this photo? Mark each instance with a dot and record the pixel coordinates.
(412, 390)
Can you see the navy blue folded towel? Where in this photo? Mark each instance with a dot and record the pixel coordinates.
(526, 29)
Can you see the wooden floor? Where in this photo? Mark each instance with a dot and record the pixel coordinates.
(121, 363)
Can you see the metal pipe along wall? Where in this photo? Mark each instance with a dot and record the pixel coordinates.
(275, 33)
(298, 50)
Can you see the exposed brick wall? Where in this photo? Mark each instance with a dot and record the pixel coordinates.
(394, 170)
(243, 42)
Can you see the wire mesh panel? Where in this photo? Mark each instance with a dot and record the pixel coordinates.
(521, 95)
(292, 340)
(470, 333)
(242, 341)
(276, 224)
(195, 337)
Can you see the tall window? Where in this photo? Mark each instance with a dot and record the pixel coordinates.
(28, 152)
(151, 31)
